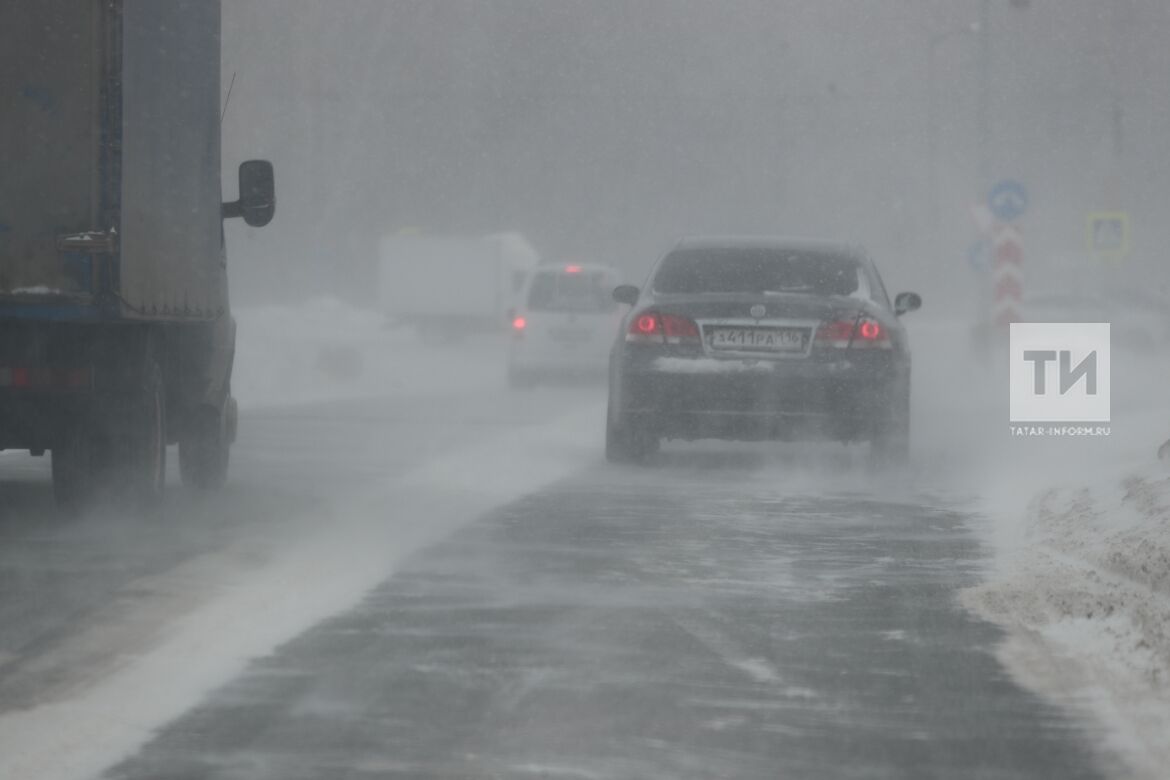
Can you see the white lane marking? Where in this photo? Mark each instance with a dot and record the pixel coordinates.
(341, 555)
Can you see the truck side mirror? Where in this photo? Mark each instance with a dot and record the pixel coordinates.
(257, 202)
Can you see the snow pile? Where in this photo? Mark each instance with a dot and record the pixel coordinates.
(1083, 587)
(328, 350)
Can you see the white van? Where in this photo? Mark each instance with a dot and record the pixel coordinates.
(565, 324)
(450, 286)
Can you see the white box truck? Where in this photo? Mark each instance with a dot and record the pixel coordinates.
(447, 286)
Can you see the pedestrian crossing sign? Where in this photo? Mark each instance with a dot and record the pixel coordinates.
(1107, 234)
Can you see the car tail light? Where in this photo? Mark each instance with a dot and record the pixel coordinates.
(679, 330)
(646, 328)
(835, 333)
(652, 327)
(871, 334)
(572, 269)
(869, 330)
(862, 333)
(519, 324)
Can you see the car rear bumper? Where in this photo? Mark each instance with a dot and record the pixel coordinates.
(699, 399)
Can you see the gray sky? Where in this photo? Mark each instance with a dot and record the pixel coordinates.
(604, 129)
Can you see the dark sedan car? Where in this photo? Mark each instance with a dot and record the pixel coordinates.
(759, 339)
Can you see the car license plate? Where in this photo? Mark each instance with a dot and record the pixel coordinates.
(757, 339)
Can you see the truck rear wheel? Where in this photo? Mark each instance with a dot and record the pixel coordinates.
(204, 450)
(74, 465)
(145, 453)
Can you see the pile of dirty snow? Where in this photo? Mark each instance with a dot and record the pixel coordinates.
(1084, 592)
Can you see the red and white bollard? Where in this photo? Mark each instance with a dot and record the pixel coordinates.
(1007, 276)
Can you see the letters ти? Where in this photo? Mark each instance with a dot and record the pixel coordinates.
(1069, 375)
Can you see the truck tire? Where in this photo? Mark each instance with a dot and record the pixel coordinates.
(73, 466)
(145, 445)
(204, 450)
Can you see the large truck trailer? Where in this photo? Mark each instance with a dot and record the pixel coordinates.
(116, 336)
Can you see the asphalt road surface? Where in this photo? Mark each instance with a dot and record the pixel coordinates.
(723, 612)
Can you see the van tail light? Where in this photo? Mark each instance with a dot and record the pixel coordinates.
(651, 327)
(861, 333)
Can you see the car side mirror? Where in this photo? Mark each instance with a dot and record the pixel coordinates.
(906, 302)
(626, 293)
(257, 203)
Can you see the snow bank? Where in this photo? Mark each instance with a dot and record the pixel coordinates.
(1078, 528)
(1085, 596)
(1080, 577)
(327, 350)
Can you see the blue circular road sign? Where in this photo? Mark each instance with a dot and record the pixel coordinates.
(1008, 200)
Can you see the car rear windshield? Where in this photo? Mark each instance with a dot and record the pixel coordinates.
(759, 270)
(580, 292)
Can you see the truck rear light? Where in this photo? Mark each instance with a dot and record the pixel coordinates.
(652, 327)
(77, 378)
(48, 378)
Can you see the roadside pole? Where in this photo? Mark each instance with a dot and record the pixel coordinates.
(1006, 203)
(1007, 278)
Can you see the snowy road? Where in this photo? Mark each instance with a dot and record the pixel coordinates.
(724, 612)
(686, 621)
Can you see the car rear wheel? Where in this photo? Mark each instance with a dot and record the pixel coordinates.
(890, 445)
(625, 443)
